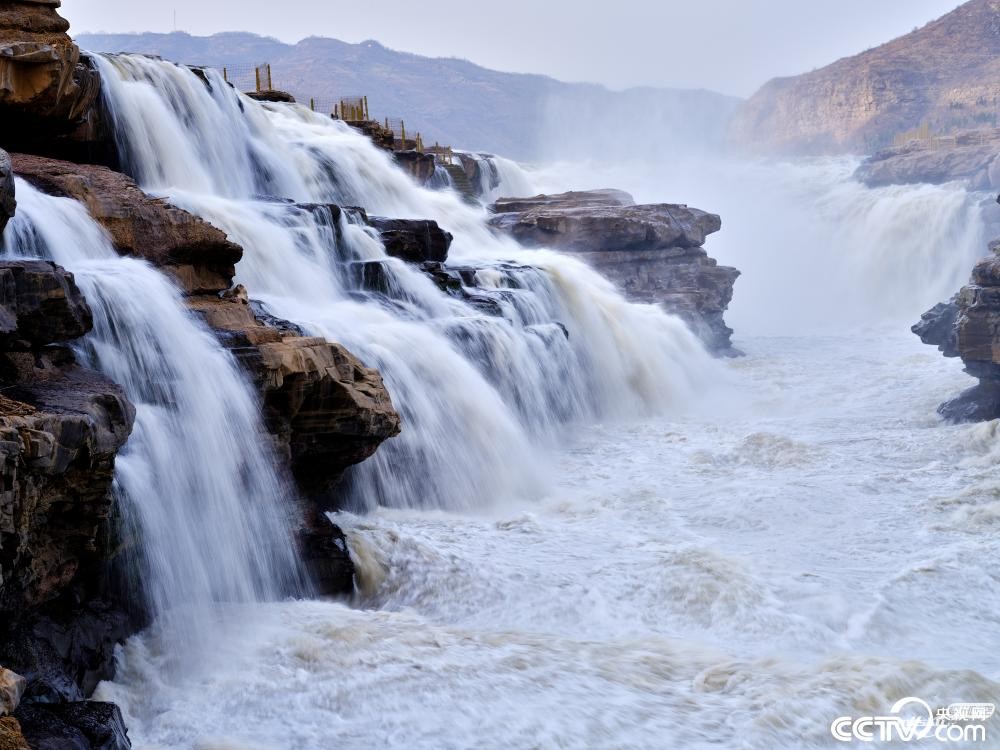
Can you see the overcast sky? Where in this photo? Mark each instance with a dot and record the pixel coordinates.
(731, 46)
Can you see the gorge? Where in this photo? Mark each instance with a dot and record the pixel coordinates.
(301, 453)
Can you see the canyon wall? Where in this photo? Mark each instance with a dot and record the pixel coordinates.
(942, 75)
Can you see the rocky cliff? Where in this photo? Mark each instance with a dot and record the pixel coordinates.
(968, 326)
(61, 427)
(49, 94)
(942, 75)
(654, 253)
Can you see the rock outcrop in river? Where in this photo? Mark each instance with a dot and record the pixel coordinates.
(654, 253)
(968, 326)
(972, 157)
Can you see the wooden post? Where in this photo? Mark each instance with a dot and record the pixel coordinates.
(270, 85)
(366, 109)
(225, 75)
(312, 104)
(402, 136)
(257, 72)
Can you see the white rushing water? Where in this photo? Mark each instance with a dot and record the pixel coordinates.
(198, 487)
(719, 555)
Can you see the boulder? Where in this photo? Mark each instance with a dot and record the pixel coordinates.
(67, 647)
(413, 240)
(40, 304)
(7, 202)
(87, 725)
(198, 255)
(48, 93)
(653, 253)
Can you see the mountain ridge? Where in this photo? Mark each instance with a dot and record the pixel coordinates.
(943, 75)
(444, 98)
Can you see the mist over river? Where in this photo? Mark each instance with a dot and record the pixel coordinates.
(800, 538)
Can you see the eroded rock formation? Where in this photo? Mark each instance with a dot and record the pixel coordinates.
(969, 327)
(973, 158)
(61, 427)
(195, 253)
(325, 409)
(49, 96)
(413, 240)
(653, 253)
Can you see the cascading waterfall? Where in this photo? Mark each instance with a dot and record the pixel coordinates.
(885, 254)
(476, 391)
(195, 480)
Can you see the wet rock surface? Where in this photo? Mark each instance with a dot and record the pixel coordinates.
(61, 427)
(7, 202)
(83, 725)
(40, 304)
(324, 408)
(653, 253)
(969, 327)
(199, 256)
(413, 240)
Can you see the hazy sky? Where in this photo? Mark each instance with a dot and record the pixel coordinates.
(728, 45)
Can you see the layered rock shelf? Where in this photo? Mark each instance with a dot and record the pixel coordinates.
(972, 158)
(654, 253)
(968, 326)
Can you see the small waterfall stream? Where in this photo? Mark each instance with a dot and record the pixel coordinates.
(197, 484)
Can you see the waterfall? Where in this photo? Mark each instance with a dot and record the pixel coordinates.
(195, 481)
(483, 384)
(819, 251)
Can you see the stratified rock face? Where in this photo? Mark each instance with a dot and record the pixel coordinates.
(40, 304)
(586, 222)
(939, 327)
(653, 252)
(197, 254)
(413, 240)
(969, 157)
(969, 327)
(418, 165)
(45, 89)
(61, 427)
(942, 75)
(325, 409)
(7, 202)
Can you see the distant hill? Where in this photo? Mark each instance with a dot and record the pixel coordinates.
(449, 100)
(945, 75)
